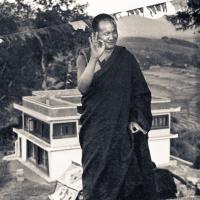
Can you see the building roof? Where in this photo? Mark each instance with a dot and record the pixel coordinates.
(53, 105)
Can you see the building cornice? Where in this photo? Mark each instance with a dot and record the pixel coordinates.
(39, 142)
(43, 117)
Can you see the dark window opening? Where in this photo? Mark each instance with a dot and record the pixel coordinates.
(64, 130)
(38, 156)
(37, 127)
(160, 122)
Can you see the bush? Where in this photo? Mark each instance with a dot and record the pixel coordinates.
(3, 171)
(174, 120)
(196, 163)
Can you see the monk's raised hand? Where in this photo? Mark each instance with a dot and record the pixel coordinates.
(97, 46)
(135, 128)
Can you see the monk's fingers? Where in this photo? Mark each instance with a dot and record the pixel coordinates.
(92, 44)
(140, 128)
(136, 127)
(133, 128)
(143, 131)
(93, 38)
(90, 41)
(96, 37)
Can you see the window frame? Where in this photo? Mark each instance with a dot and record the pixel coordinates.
(74, 135)
(156, 127)
(37, 124)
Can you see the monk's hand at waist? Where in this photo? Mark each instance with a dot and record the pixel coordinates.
(135, 128)
(97, 46)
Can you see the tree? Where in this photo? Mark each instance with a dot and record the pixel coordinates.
(51, 21)
(37, 41)
(189, 18)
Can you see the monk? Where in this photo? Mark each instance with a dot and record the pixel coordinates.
(116, 118)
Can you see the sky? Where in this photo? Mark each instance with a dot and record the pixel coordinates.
(111, 6)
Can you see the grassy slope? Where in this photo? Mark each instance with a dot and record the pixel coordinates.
(167, 52)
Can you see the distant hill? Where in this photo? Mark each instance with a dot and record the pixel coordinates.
(137, 26)
(171, 52)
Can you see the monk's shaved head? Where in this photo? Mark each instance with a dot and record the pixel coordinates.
(102, 17)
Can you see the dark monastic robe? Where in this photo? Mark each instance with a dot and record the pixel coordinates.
(116, 163)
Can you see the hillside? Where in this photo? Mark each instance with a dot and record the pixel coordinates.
(165, 52)
(137, 26)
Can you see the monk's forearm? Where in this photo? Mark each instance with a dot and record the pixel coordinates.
(86, 77)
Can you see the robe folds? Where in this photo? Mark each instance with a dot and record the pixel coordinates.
(116, 163)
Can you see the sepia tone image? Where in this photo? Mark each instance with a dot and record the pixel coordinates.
(99, 100)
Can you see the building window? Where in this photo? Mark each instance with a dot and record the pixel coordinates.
(37, 127)
(31, 151)
(42, 158)
(64, 130)
(20, 146)
(38, 156)
(160, 122)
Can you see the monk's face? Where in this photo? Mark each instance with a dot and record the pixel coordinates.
(107, 31)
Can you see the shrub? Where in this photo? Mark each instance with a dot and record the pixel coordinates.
(3, 171)
(196, 163)
(174, 120)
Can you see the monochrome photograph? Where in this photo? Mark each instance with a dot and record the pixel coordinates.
(99, 100)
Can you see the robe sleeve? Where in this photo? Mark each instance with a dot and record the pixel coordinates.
(140, 111)
(81, 63)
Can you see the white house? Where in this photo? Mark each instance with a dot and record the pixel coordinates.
(48, 139)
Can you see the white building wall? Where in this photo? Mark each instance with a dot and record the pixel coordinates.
(17, 148)
(60, 160)
(24, 148)
(159, 143)
(66, 142)
(159, 132)
(160, 151)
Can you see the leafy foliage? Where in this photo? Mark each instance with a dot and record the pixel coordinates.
(38, 48)
(189, 18)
